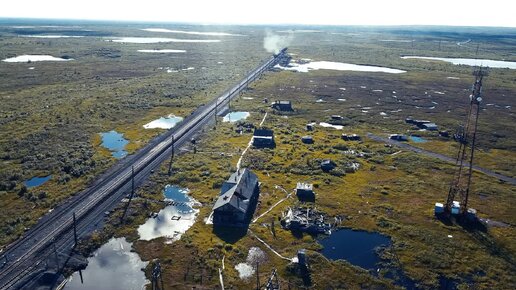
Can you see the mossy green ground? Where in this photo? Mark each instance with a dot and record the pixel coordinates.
(52, 123)
(392, 193)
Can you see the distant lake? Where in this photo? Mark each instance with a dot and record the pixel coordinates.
(162, 50)
(469, 61)
(163, 30)
(158, 40)
(31, 58)
(330, 65)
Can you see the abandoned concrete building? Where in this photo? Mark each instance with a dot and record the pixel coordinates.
(307, 139)
(351, 137)
(305, 192)
(422, 124)
(284, 106)
(429, 126)
(263, 138)
(328, 165)
(237, 201)
(398, 137)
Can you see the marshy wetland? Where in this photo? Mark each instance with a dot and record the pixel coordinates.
(51, 118)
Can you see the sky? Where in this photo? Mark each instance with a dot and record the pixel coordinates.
(319, 12)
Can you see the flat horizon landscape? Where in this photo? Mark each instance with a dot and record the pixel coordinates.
(81, 99)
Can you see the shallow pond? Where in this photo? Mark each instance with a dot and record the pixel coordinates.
(114, 142)
(470, 61)
(417, 139)
(235, 116)
(316, 65)
(328, 125)
(37, 181)
(112, 267)
(172, 221)
(356, 247)
(32, 58)
(167, 122)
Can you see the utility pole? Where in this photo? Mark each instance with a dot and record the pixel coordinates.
(132, 183)
(216, 110)
(156, 274)
(74, 230)
(272, 228)
(55, 253)
(171, 156)
(130, 196)
(257, 276)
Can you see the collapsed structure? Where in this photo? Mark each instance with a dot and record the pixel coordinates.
(305, 220)
(237, 201)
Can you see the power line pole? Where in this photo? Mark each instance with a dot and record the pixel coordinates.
(257, 276)
(74, 230)
(171, 156)
(130, 196)
(55, 253)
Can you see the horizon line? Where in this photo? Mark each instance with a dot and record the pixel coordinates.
(245, 24)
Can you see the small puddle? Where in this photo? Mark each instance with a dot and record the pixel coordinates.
(172, 221)
(37, 181)
(113, 267)
(114, 142)
(417, 139)
(167, 122)
(356, 247)
(235, 116)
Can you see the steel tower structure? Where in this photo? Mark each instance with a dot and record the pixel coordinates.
(466, 137)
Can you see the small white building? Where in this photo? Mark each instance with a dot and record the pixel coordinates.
(439, 208)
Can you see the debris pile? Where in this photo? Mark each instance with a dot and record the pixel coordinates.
(305, 220)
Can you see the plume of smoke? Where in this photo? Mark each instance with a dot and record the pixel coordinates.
(273, 43)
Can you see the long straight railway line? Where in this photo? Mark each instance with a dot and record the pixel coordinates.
(25, 256)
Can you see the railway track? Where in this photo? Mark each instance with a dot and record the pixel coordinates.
(25, 256)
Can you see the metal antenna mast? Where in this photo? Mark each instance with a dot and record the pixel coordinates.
(273, 282)
(461, 183)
